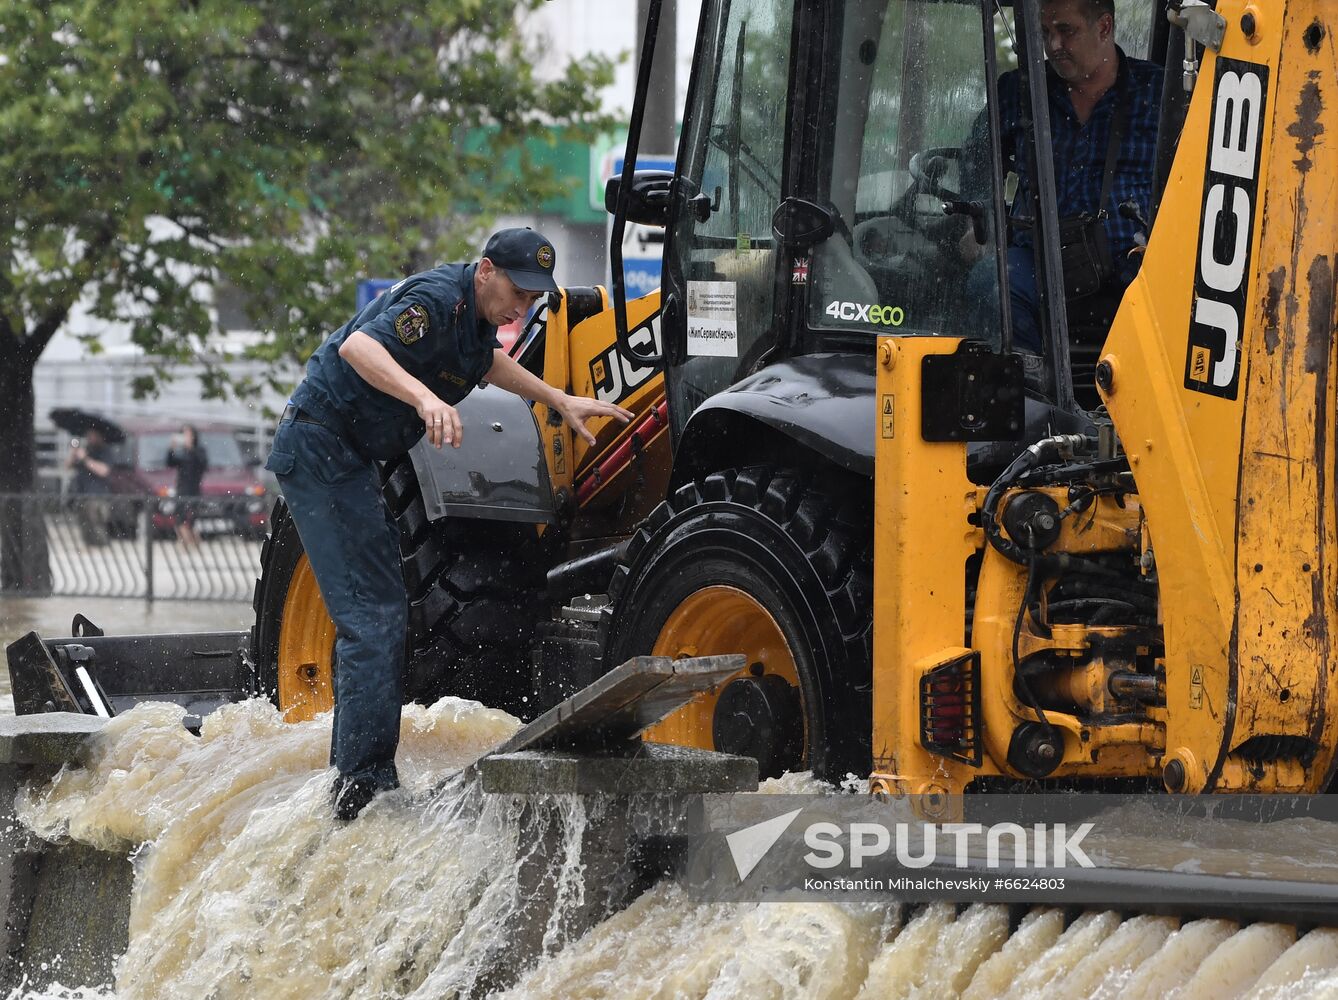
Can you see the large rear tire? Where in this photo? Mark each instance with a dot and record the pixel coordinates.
(475, 592)
(763, 562)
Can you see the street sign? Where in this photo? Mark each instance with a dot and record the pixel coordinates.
(370, 288)
(643, 163)
(643, 250)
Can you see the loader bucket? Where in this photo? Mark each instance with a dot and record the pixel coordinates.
(97, 674)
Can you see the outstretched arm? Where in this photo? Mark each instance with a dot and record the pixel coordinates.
(507, 374)
(376, 367)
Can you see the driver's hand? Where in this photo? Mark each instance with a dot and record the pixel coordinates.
(970, 250)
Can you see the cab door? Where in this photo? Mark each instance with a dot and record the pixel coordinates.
(721, 264)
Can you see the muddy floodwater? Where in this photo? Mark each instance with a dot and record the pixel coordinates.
(246, 888)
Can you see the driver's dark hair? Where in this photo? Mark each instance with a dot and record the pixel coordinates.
(1095, 8)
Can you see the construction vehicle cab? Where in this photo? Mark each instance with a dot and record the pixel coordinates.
(1060, 587)
(834, 159)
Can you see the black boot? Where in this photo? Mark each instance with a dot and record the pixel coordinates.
(351, 795)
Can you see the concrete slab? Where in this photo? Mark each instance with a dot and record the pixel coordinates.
(610, 713)
(48, 738)
(66, 906)
(77, 917)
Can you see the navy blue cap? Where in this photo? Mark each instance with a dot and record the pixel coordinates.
(526, 256)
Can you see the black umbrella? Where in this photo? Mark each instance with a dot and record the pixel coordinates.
(80, 422)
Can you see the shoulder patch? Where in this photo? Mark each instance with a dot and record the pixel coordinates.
(411, 324)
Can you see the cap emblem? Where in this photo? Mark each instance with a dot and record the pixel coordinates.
(544, 255)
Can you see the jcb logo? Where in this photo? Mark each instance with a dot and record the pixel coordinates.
(1230, 190)
(615, 378)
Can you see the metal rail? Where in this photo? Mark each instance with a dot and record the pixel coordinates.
(119, 545)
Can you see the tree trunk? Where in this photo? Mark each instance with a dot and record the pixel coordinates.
(24, 567)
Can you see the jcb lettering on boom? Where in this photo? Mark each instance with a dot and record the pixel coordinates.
(1230, 194)
(614, 377)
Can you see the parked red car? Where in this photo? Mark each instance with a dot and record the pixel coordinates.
(233, 500)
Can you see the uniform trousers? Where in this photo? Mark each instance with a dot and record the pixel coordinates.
(352, 543)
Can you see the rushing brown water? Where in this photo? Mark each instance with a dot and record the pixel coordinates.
(246, 888)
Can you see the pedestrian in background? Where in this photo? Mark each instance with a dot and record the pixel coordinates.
(371, 391)
(90, 461)
(190, 459)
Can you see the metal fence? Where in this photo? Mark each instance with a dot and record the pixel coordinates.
(129, 546)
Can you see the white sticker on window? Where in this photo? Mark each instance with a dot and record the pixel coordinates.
(713, 329)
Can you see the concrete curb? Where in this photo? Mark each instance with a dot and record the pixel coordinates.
(66, 906)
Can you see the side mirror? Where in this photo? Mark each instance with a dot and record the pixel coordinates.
(648, 201)
(798, 222)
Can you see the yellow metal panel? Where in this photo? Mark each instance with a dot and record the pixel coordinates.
(922, 542)
(1184, 445)
(598, 371)
(584, 361)
(557, 437)
(1284, 568)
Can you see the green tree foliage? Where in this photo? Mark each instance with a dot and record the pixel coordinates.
(151, 151)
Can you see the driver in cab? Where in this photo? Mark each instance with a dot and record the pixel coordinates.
(1104, 108)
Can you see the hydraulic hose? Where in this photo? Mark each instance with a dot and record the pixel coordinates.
(1059, 448)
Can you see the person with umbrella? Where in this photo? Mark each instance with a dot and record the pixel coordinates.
(90, 461)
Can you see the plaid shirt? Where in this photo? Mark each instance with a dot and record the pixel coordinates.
(1080, 149)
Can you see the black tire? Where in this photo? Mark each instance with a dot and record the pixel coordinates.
(475, 592)
(805, 553)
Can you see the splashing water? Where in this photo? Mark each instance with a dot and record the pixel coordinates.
(245, 887)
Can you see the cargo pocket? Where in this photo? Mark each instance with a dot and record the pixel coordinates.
(280, 462)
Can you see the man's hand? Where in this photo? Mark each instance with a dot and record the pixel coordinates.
(576, 410)
(506, 374)
(442, 421)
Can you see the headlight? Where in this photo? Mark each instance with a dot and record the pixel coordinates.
(256, 491)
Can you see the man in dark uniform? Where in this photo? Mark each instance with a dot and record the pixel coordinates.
(371, 391)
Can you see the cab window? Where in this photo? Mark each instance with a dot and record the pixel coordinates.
(904, 89)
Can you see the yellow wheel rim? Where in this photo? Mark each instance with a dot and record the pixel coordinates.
(306, 649)
(711, 621)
